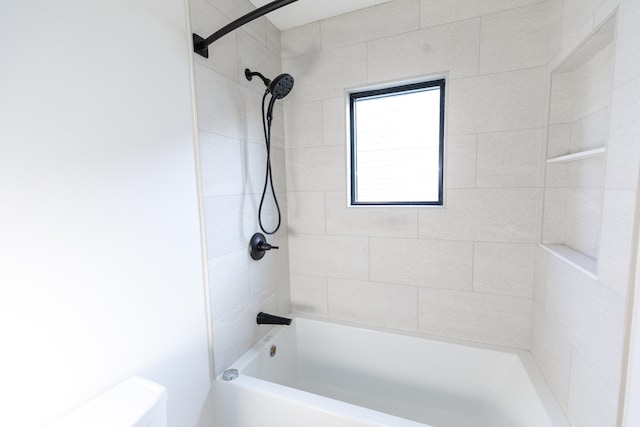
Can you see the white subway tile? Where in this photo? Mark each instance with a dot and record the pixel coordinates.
(309, 295)
(371, 23)
(615, 260)
(327, 74)
(570, 41)
(378, 304)
(627, 58)
(503, 268)
(334, 121)
(234, 333)
(256, 161)
(559, 140)
(591, 404)
(490, 215)
(591, 131)
(437, 12)
(300, 41)
(557, 175)
(304, 124)
(623, 149)
(592, 84)
(270, 212)
(306, 213)
(540, 277)
(577, 16)
(274, 43)
(591, 316)
(205, 19)
(250, 163)
(316, 169)
(270, 274)
(221, 114)
(453, 48)
(561, 102)
(330, 256)
(234, 9)
(555, 27)
(515, 39)
(230, 223)
(552, 352)
(228, 282)
(368, 221)
(460, 157)
(222, 165)
(497, 102)
(490, 319)
(509, 159)
(284, 276)
(583, 214)
(429, 263)
(555, 218)
(252, 54)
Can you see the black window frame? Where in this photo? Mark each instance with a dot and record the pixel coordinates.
(393, 91)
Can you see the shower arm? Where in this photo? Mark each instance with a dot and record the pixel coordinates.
(201, 45)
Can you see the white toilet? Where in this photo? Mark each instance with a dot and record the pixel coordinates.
(136, 402)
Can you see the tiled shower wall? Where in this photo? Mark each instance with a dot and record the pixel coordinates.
(465, 270)
(232, 152)
(578, 322)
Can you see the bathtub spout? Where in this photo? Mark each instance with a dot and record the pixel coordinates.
(270, 319)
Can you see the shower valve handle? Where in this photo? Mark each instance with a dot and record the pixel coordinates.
(266, 246)
(259, 245)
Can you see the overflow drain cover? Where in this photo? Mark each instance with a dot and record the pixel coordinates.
(230, 374)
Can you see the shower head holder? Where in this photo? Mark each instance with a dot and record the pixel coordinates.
(250, 74)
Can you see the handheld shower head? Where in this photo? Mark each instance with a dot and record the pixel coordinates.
(278, 87)
(281, 86)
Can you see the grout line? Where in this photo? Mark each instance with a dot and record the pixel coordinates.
(479, 44)
(324, 207)
(475, 174)
(473, 263)
(417, 309)
(369, 257)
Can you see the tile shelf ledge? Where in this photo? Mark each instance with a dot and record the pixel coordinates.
(578, 260)
(580, 155)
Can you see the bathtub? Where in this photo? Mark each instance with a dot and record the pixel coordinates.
(323, 374)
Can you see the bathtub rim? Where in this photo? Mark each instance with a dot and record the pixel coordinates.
(539, 382)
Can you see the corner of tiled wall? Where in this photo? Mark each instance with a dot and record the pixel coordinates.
(233, 154)
(578, 321)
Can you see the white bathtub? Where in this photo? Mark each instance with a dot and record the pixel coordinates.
(330, 375)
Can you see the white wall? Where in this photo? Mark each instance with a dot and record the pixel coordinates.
(466, 270)
(101, 273)
(233, 158)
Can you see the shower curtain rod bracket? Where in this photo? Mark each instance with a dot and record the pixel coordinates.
(201, 45)
(198, 47)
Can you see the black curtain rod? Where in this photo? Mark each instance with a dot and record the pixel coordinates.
(201, 46)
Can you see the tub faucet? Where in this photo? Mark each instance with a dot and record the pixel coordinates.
(270, 319)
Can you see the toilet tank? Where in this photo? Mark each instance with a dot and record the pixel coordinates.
(136, 402)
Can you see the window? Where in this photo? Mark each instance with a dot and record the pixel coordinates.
(397, 142)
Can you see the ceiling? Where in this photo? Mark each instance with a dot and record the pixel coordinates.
(305, 11)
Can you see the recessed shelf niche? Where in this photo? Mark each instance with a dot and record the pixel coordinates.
(580, 101)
